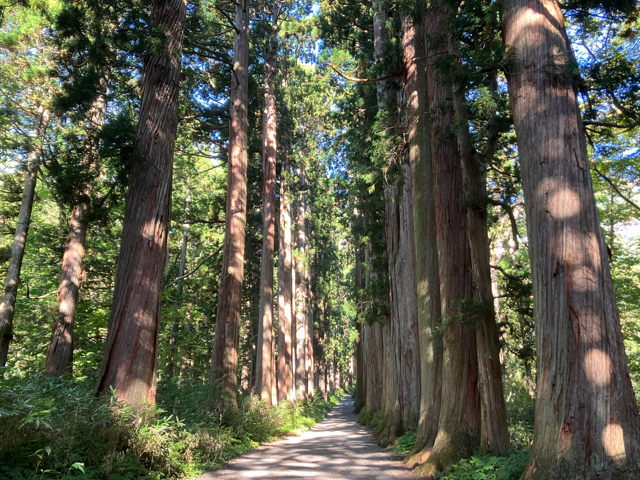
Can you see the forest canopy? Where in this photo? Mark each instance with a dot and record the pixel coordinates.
(216, 217)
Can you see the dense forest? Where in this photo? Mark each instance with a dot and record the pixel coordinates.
(216, 217)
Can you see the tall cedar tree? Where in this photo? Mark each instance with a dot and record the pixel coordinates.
(586, 422)
(285, 291)
(12, 278)
(494, 431)
(459, 423)
(265, 361)
(130, 354)
(300, 327)
(224, 357)
(427, 277)
(60, 353)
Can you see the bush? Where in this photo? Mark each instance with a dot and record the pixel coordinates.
(54, 428)
(488, 467)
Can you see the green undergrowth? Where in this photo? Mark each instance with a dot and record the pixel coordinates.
(57, 429)
(488, 467)
(405, 443)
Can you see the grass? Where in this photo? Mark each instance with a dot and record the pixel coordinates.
(56, 429)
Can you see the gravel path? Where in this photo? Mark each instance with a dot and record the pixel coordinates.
(338, 447)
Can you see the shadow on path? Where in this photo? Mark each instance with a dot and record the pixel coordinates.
(338, 447)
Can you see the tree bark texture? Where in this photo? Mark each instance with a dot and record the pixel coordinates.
(130, 354)
(224, 356)
(360, 350)
(60, 353)
(427, 277)
(374, 367)
(309, 356)
(265, 364)
(12, 278)
(494, 430)
(285, 293)
(403, 297)
(301, 325)
(459, 423)
(175, 324)
(586, 416)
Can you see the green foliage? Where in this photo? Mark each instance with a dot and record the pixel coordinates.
(405, 443)
(488, 467)
(56, 428)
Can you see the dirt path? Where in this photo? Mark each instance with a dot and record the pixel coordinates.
(338, 447)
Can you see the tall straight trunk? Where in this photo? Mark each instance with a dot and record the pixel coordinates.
(130, 354)
(404, 316)
(459, 422)
(374, 367)
(285, 293)
(224, 356)
(301, 325)
(175, 325)
(360, 350)
(265, 365)
(424, 230)
(387, 355)
(60, 353)
(494, 430)
(12, 279)
(586, 422)
(309, 358)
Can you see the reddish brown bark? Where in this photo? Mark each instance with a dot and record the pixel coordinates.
(224, 356)
(494, 431)
(360, 350)
(175, 325)
(60, 354)
(12, 278)
(427, 277)
(309, 357)
(587, 422)
(130, 354)
(285, 293)
(300, 331)
(459, 422)
(265, 364)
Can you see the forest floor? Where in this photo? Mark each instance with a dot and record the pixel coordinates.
(338, 447)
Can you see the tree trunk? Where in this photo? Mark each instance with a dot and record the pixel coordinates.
(374, 367)
(301, 324)
(285, 293)
(12, 279)
(265, 365)
(224, 357)
(459, 422)
(175, 326)
(391, 421)
(494, 430)
(586, 416)
(309, 358)
(402, 280)
(360, 371)
(130, 355)
(60, 354)
(427, 277)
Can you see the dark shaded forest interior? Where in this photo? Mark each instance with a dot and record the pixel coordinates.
(217, 217)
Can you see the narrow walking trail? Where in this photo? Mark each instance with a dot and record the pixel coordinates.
(338, 447)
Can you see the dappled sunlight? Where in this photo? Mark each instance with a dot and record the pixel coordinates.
(563, 201)
(338, 447)
(597, 364)
(613, 442)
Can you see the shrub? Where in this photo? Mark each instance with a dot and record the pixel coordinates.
(55, 428)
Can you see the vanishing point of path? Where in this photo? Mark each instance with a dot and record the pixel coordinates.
(338, 447)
